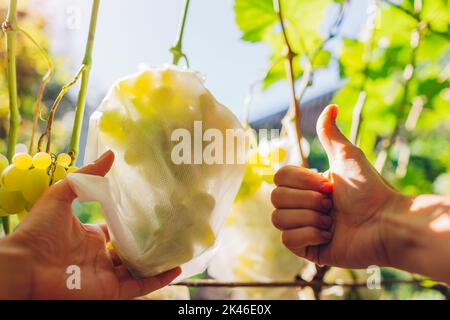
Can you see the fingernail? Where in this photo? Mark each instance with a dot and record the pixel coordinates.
(326, 235)
(326, 221)
(326, 187)
(327, 204)
(334, 112)
(103, 156)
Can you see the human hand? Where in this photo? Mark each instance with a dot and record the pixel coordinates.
(51, 238)
(336, 218)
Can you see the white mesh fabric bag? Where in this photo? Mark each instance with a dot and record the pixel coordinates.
(161, 213)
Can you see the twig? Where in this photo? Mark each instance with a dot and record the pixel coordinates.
(318, 280)
(410, 124)
(48, 130)
(44, 81)
(177, 50)
(294, 105)
(81, 101)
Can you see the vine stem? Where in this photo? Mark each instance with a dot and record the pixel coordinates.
(308, 73)
(9, 27)
(74, 146)
(294, 105)
(177, 50)
(44, 81)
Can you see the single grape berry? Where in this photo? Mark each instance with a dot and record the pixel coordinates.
(12, 178)
(64, 160)
(3, 163)
(34, 184)
(22, 161)
(42, 160)
(59, 173)
(11, 202)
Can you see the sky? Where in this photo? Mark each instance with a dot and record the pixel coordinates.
(134, 32)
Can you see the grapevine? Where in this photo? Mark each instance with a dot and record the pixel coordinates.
(24, 176)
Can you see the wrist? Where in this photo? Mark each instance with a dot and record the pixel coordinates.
(398, 236)
(15, 270)
(415, 235)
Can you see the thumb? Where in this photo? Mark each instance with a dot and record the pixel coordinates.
(62, 191)
(331, 138)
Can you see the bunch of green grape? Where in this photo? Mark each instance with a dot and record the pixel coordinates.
(26, 178)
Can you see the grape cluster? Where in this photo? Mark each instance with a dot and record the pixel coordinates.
(26, 178)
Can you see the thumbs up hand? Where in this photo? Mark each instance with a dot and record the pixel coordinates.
(335, 218)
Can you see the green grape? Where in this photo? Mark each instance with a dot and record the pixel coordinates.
(59, 173)
(22, 160)
(3, 162)
(42, 160)
(12, 201)
(12, 178)
(34, 184)
(64, 160)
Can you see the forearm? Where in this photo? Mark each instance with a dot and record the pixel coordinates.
(15, 270)
(417, 236)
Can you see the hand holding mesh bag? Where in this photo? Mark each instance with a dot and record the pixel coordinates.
(160, 213)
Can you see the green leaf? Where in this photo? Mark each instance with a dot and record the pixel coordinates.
(254, 18)
(259, 22)
(437, 14)
(277, 72)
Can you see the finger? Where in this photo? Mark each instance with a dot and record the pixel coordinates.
(285, 219)
(288, 198)
(131, 288)
(101, 166)
(62, 191)
(105, 231)
(331, 138)
(302, 178)
(296, 239)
